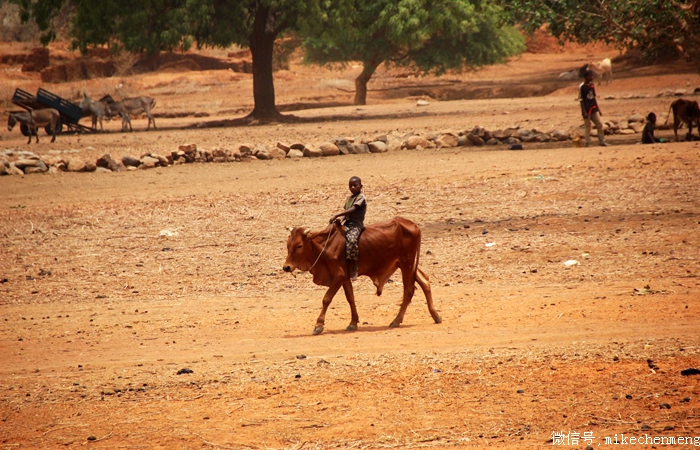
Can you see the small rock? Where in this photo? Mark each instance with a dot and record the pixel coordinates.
(413, 142)
(559, 135)
(377, 147)
(312, 153)
(329, 149)
(148, 162)
(130, 161)
(189, 148)
(295, 153)
(449, 140)
(31, 165)
(476, 140)
(78, 165)
(106, 161)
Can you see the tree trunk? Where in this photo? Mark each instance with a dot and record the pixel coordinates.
(368, 69)
(262, 42)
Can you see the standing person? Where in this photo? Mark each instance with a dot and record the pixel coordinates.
(589, 109)
(648, 132)
(354, 213)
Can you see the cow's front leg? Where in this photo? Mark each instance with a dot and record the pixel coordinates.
(327, 299)
(350, 296)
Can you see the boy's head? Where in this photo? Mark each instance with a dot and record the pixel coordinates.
(651, 117)
(355, 185)
(588, 75)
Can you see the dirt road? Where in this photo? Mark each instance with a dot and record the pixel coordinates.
(148, 309)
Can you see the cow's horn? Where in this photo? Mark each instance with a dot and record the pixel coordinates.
(307, 231)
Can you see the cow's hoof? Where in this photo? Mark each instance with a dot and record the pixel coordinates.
(351, 327)
(394, 325)
(438, 319)
(318, 330)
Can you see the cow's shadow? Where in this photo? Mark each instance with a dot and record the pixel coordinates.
(360, 330)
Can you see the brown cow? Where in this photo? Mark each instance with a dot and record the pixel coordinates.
(685, 111)
(384, 247)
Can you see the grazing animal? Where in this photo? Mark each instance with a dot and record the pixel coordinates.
(602, 70)
(684, 111)
(570, 75)
(34, 119)
(131, 107)
(96, 109)
(384, 247)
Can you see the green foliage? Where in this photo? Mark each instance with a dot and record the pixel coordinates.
(658, 28)
(42, 13)
(141, 26)
(151, 26)
(459, 33)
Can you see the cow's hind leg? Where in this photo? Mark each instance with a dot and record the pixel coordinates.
(424, 283)
(409, 288)
(350, 296)
(327, 299)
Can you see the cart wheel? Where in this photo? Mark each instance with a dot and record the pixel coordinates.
(24, 128)
(59, 128)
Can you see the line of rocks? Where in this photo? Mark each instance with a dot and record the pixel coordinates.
(13, 162)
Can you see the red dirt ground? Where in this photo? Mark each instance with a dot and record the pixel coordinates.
(112, 283)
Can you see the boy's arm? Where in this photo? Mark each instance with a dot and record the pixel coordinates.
(343, 213)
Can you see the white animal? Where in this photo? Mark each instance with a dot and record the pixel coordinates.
(602, 70)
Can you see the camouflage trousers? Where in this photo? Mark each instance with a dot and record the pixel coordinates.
(352, 241)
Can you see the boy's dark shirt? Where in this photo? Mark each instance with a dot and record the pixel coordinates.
(588, 100)
(357, 217)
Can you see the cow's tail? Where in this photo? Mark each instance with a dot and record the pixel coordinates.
(668, 116)
(416, 260)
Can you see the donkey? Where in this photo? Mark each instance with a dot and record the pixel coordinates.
(96, 109)
(130, 107)
(34, 119)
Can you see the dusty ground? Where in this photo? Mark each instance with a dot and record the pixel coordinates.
(112, 284)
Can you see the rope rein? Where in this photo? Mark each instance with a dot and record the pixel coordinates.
(324, 247)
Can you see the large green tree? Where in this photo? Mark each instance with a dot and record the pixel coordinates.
(659, 29)
(151, 26)
(431, 37)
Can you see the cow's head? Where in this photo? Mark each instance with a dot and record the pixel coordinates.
(298, 251)
(694, 110)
